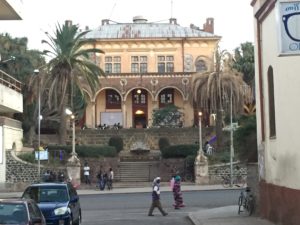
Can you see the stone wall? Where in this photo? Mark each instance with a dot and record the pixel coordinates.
(150, 137)
(217, 171)
(19, 173)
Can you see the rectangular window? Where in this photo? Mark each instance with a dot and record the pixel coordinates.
(139, 64)
(117, 68)
(272, 118)
(161, 67)
(140, 99)
(165, 64)
(170, 67)
(108, 68)
(113, 100)
(143, 67)
(134, 67)
(166, 97)
(112, 64)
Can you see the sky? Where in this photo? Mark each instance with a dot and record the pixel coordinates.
(233, 19)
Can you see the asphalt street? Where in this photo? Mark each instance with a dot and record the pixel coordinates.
(132, 208)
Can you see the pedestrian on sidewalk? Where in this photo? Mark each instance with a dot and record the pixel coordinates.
(100, 177)
(177, 193)
(86, 173)
(156, 198)
(110, 179)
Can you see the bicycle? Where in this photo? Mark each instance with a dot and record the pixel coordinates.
(237, 180)
(246, 202)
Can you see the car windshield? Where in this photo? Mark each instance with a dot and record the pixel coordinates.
(47, 194)
(13, 213)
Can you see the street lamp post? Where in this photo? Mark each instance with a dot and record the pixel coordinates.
(200, 134)
(231, 140)
(70, 113)
(36, 72)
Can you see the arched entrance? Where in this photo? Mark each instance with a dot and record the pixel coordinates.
(139, 108)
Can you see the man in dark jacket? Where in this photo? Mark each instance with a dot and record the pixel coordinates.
(156, 198)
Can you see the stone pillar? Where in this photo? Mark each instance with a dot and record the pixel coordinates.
(93, 114)
(73, 170)
(201, 169)
(124, 114)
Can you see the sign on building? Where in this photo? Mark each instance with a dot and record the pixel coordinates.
(43, 155)
(289, 27)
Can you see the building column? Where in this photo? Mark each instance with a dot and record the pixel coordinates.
(94, 113)
(124, 114)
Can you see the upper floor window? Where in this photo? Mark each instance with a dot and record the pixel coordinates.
(200, 65)
(113, 99)
(139, 64)
(272, 119)
(165, 64)
(166, 97)
(112, 64)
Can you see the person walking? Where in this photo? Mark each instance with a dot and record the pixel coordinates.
(110, 179)
(156, 198)
(86, 173)
(177, 193)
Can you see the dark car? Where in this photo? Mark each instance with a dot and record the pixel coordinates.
(20, 211)
(59, 202)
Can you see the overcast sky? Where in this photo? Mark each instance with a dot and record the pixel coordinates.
(233, 18)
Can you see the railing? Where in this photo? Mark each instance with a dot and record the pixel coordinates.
(10, 82)
(169, 74)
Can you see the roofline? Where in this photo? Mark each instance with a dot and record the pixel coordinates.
(156, 38)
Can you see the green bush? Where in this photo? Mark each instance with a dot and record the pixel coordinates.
(28, 157)
(117, 142)
(163, 142)
(219, 157)
(179, 151)
(87, 150)
(245, 142)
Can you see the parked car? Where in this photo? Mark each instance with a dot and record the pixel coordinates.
(20, 211)
(59, 202)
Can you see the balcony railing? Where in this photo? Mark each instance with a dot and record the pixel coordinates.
(10, 82)
(169, 74)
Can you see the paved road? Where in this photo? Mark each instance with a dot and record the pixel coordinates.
(125, 209)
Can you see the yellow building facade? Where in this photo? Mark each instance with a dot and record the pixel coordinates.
(147, 66)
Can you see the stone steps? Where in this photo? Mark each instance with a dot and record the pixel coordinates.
(134, 172)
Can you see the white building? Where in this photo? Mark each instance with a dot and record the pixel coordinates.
(277, 56)
(11, 100)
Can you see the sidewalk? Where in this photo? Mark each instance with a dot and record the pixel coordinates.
(121, 189)
(227, 215)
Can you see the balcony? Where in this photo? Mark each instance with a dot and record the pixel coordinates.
(11, 98)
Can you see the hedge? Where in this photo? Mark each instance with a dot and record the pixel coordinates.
(117, 142)
(179, 151)
(87, 150)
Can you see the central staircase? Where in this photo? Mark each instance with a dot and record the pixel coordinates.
(137, 171)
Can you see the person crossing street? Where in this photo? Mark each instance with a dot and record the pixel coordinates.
(156, 198)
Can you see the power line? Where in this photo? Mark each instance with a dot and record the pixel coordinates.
(112, 10)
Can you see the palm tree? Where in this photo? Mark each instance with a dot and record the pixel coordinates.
(212, 90)
(69, 68)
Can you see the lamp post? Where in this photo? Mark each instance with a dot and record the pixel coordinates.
(200, 134)
(70, 113)
(36, 72)
(231, 139)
